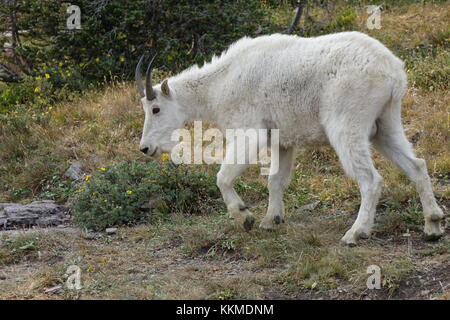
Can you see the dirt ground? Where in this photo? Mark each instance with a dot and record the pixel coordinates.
(144, 263)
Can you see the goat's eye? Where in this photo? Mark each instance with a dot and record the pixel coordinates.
(155, 110)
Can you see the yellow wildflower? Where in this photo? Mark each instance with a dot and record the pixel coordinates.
(88, 177)
(37, 90)
(104, 260)
(50, 108)
(79, 190)
(165, 157)
(122, 59)
(97, 59)
(47, 76)
(39, 78)
(60, 64)
(102, 169)
(129, 191)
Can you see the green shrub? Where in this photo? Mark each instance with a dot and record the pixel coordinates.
(321, 19)
(41, 91)
(115, 33)
(431, 72)
(345, 20)
(115, 195)
(13, 249)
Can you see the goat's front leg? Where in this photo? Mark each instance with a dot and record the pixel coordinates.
(225, 180)
(278, 182)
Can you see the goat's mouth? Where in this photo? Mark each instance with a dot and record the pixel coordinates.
(154, 152)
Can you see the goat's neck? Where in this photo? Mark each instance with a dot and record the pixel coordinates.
(193, 92)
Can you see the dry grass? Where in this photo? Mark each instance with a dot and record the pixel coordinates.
(406, 27)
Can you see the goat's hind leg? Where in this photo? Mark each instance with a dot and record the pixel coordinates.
(355, 156)
(391, 142)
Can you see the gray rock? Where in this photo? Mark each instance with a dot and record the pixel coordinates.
(5, 204)
(53, 289)
(75, 171)
(96, 159)
(308, 207)
(37, 213)
(111, 230)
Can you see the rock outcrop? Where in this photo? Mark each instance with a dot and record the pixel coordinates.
(37, 213)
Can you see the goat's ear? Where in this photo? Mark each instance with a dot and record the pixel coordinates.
(165, 88)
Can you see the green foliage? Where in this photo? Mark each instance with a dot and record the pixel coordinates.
(48, 87)
(387, 4)
(115, 196)
(431, 72)
(113, 35)
(322, 17)
(399, 217)
(57, 189)
(343, 21)
(13, 249)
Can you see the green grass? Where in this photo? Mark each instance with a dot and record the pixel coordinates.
(17, 248)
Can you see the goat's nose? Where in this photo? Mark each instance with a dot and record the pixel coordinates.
(144, 150)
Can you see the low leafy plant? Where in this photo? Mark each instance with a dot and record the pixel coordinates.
(116, 195)
(12, 249)
(431, 72)
(343, 21)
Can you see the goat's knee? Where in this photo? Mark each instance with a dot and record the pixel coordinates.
(235, 206)
(222, 181)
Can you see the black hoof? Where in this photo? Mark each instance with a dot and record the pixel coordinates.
(363, 235)
(347, 244)
(435, 218)
(278, 220)
(432, 237)
(248, 223)
(243, 207)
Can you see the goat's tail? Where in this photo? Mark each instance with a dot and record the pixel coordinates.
(390, 117)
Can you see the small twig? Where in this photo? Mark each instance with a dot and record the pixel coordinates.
(8, 75)
(297, 16)
(409, 243)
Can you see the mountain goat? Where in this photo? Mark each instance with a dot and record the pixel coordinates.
(341, 89)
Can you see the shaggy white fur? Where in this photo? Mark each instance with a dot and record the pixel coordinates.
(341, 89)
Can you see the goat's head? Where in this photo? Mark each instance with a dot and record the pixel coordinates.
(163, 114)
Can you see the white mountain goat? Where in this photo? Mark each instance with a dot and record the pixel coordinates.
(341, 89)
